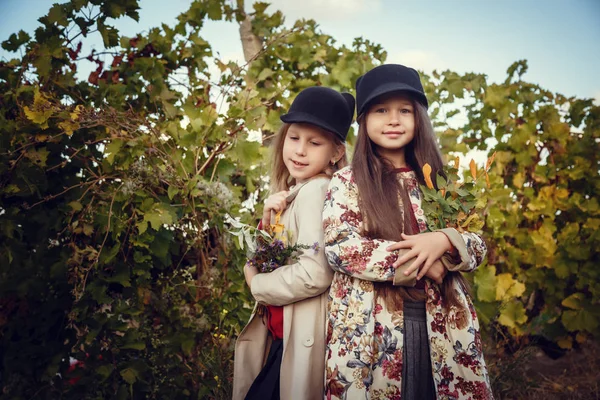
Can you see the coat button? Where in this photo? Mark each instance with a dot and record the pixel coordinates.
(309, 341)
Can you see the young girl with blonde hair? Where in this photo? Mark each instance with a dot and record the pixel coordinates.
(281, 353)
(401, 322)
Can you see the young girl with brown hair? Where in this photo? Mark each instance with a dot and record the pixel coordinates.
(401, 322)
(281, 352)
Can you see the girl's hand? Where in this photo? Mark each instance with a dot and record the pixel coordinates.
(250, 271)
(275, 202)
(426, 247)
(436, 273)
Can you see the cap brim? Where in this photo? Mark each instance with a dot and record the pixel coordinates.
(305, 118)
(392, 87)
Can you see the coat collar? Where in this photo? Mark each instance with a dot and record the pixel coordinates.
(294, 190)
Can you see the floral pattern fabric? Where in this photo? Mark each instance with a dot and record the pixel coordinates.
(364, 339)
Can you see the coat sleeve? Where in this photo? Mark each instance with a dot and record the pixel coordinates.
(310, 275)
(347, 250)
(471, 250)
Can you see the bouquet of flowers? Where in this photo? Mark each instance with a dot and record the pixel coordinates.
(268, 249)
(456, 204)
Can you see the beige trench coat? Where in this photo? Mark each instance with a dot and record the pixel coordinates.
(302, 288)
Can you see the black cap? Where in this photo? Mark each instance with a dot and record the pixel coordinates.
(323, 107)
(386, 79)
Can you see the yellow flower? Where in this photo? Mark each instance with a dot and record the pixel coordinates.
(427, 175)
(456, 162)
(473, 168)
(278, 229)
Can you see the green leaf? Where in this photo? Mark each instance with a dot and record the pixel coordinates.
(170, 110)
(563, 268)
(11, 189)
(68, 127)
(486, 312)
(580, 320)
(110, 35)
(158, 216)
(485, 280)
(142, 226)
(172, 191)
(116, 9)
(245, 152)
(39, 117)
(15, 41)
(187, 346)
(507, 287)
(129, 375)
(134, 346)
(577, 111)
(58, 15)
(214, 10)
(440, 181)
(122, 277)
(97, 290)
(512, 314)
(87, 229)
(43, 65)
(207, 116)
(38, 157)
(104, 371)
(108, 255)
(574, 301)
(112, 149)
(518, 67)
(160, 245)
(265, 73)
(75, 206)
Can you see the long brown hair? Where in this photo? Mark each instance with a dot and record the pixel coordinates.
(382, 197)
(280, 176)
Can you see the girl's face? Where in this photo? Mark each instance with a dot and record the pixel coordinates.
(307, 151)
(390, 124)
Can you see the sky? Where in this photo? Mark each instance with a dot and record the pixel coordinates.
(559, 38)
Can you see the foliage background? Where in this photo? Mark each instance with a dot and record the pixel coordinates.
(116, 186)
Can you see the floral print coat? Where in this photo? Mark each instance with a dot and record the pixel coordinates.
(364, 340)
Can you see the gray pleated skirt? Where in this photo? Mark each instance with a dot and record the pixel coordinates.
(417, 375)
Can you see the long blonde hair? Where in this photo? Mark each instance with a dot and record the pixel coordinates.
(280, 176)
